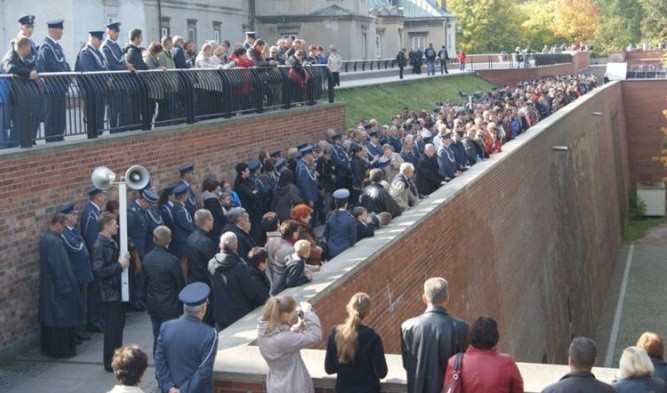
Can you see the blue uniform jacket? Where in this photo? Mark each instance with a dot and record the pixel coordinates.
(90, 59)
(341, 232)
(186, 349)
(179, 57)
(51, 58)
(78, 256)
(153, 220)
(373, 151)
(307, 182)
(341, 162)
(88, 224)
(191, 202)
(137, 228)
(113, 55)
(446, 161)
(167, 213)
(182, 229)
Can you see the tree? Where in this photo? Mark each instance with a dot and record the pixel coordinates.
(654, 24)
(487, 26)
(620, 24)
(537, 18)
(575, 20)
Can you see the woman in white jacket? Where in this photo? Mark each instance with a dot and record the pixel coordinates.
(282, 331)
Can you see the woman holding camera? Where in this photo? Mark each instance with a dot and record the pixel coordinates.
(283, 330)
(355, 352)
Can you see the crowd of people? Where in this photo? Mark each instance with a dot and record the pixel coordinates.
(125, 110)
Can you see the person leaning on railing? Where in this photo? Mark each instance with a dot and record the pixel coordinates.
(25, 81)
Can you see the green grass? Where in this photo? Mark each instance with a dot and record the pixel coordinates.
(382, 102)
(636, 229)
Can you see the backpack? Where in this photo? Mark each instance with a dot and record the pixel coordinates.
(443, 55)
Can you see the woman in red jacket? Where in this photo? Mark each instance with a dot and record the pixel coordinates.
(483, 369)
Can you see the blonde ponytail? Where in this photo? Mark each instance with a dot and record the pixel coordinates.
(346, 333)
(274, 307)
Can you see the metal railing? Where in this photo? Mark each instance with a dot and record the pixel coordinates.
(499, 61)
(58, 105)
(646, 74)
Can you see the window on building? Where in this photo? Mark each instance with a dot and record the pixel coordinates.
(418, 42)
(378, 45)
(192, 30)
(164, 26)
(364, 45)
(217, 31)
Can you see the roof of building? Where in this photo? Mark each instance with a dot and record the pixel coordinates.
(412, 9)
(333, 10)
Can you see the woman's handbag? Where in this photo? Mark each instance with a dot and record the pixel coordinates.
(454, 385)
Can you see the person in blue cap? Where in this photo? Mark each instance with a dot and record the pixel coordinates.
(26, 28)
(306, 180)
(51, 58)
(118, 109)
(187, 347)
(188, 178)
(166, 207)
(183, 226)
(88, 226)
(153, 215)
(60, 307)
(341, 227)
(90, 59)
(138, 233)
(78, 255)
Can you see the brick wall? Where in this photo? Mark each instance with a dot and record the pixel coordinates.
(531, 242)
(34, 182)
(514, 76)
(644, 102)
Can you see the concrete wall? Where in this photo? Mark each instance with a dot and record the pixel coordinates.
(527, 237)
(645, 101)
(34, 182)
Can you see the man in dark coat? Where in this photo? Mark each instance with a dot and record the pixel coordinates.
(187, 347)
(60, 306)
(446, 158)
(88, 226)
(581, 358)
(306, 179)
(108, 265)
(119, 107)
(257, 264)
(164, 280)
(188, 178)
(233, 294)
(182, 226)
(201, 248)
(238, 222)
(51, 58)
(376, 199)
(20, 61)
(79, 258)
(429, 340)
(427, 171)
(137, 232)
(91, 59)
(341, 227)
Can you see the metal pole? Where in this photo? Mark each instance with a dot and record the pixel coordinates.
(125, 277)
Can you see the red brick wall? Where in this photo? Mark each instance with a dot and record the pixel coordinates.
(514, 76)
(34, 182)
(530, 243)
(644, 102)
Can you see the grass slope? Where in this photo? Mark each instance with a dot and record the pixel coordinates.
(383, 101)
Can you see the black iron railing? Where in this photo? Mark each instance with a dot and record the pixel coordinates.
(58, 105)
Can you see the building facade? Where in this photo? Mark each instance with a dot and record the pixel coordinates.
(361, 29)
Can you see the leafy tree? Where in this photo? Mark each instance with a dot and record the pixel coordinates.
(537, 18)
(575, 20)
(487, 26)
(620, 24)
(654, 24)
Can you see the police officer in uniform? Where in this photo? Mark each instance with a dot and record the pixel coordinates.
(76, 249)
(51, 58)
(341, 161)
(137, 232)
(186, 346)
(88, 226)
(183, 226)
(118, 112)
(90, 59)
(166, 206)
(341, 227)
(153, 215)
(306, 180)
(263, 201)
(188, 177)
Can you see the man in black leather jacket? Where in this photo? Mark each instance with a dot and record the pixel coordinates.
(201, 248)
(376, 199)
(107, 268)
(429, 340)
(164, 280)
